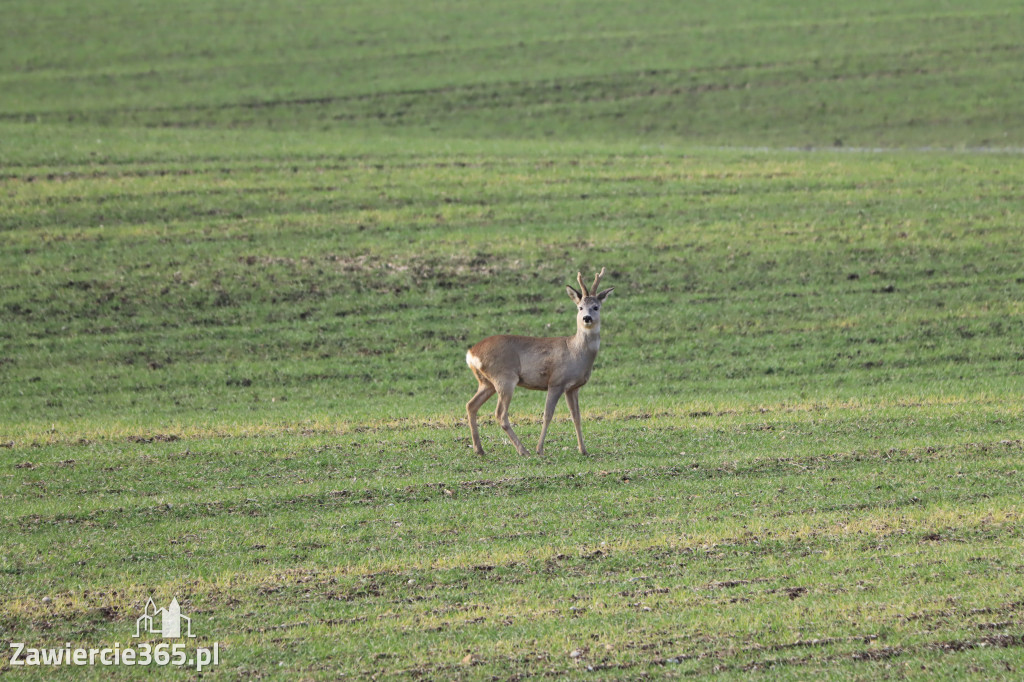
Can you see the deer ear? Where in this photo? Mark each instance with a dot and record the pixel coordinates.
(604, 294)
(573, 294)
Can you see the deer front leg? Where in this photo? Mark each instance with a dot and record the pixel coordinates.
(501, 414)
(572, 399)
(554, 393)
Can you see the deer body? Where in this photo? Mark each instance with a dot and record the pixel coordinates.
(559, 365)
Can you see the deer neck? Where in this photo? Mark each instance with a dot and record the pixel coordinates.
(586, 342)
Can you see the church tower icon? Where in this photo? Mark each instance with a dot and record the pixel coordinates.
(164, 622)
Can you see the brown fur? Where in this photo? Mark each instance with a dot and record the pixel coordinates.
(558, 365)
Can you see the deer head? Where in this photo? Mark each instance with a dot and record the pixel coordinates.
(588, 303)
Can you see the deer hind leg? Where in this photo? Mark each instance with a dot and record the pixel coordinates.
(483, 393)
(554, 393)
(572, 399)
(505, 390)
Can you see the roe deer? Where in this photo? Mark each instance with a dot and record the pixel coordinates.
(556, 365)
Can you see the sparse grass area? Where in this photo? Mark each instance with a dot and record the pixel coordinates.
(806, 418)
(778, 73)
(232, 343)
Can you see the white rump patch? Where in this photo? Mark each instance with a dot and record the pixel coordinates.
(473, 361)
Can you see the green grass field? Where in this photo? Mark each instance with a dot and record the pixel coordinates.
(244, 247)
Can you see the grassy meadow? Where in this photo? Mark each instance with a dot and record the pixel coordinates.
(244, 247)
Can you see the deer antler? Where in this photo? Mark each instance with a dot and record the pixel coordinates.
(597, 280)
(583, 287)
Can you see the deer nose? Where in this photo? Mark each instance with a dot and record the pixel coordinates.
(587, 319)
